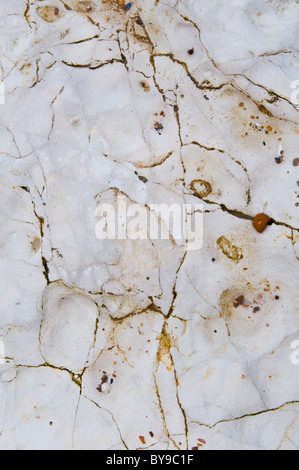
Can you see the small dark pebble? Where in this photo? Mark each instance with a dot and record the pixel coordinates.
(277, 297)
(143, 179)
(296, 161)
(256, 309)
(104, 380)
(191, 51)
(238, 301)
(158, 127)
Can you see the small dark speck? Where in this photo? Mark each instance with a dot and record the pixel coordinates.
(264, 144)
(191, 51)
(213, 259)
(277, 297)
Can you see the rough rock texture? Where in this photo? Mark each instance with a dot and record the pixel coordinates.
(128, 344)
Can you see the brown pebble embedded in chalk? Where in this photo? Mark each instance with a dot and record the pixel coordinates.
(239, 301)
(260, 222)
(145, 86)
(296, 161)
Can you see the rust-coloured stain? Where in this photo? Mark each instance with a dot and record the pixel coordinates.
(49, 13)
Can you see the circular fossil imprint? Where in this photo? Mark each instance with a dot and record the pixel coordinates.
(201, 188)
